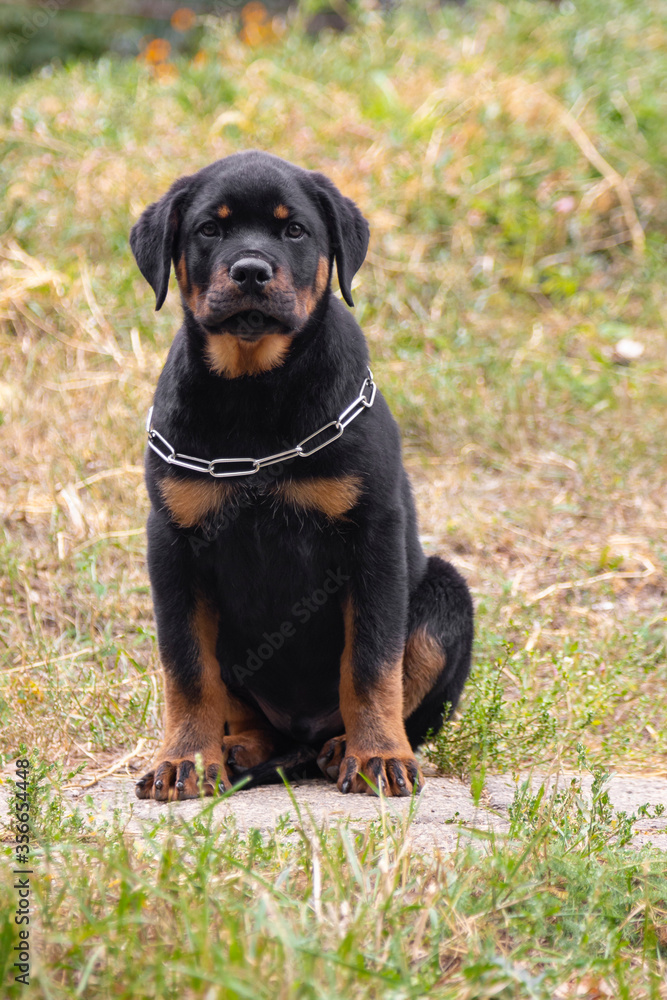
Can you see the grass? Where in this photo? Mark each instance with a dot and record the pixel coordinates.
(192, 909)
(509, 158)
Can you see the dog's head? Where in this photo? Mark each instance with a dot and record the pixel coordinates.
(253, 240)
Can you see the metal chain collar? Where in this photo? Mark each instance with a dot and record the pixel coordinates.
(364, 401)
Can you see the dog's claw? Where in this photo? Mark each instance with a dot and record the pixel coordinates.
(175, 780)
(350, 772)
(377, 774)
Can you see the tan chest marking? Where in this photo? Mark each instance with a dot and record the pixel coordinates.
(231, 357)
(189, 501)
(332, 496)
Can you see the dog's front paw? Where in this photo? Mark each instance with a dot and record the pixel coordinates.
(176, 778)
(391, 774)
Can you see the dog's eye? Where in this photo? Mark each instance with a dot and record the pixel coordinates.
(294, 231)
(208, 229)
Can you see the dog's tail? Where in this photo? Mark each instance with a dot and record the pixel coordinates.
(296, 764)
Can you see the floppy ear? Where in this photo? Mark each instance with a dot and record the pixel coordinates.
(348, 232)
(153, 238)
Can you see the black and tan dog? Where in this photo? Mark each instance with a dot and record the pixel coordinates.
(297, 616)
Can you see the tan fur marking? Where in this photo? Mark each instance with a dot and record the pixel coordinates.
(305, 303)
(191, 293)
(423, 662)
(251, 747)
(231, 357)
(321, 276)
(190, 500)
(221, 283)
(281, 212)
(224, 211)
(194, 298)
(373, 719)
(182, 275)
(197, 724)
(249, 729)
(307, 298)
(240, 716)
(332, 496)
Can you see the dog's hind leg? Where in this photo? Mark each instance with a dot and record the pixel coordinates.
(437, 651)
(249, 738)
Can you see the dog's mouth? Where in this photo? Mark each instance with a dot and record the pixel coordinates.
(250, 324)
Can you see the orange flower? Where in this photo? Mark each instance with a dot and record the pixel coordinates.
(157, 51)
(258, 28)
(183, 19)
(200, 59)
(254, 13)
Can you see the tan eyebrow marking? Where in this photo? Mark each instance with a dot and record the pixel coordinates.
(281, 212)
(224, 211)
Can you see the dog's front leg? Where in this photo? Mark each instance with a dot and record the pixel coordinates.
(375, 744)
(195, 695)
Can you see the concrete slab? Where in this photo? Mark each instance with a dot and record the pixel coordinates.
(444, 812)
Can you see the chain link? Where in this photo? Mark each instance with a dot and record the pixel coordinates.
(168, 454)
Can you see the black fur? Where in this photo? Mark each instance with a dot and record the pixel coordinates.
(261, 563)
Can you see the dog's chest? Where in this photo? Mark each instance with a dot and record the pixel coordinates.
(212, 505)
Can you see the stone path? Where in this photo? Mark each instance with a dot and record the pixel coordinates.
(444, 810)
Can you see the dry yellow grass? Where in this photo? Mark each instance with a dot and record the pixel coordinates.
(492, 315)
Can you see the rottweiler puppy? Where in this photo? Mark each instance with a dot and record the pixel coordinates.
(298, 619)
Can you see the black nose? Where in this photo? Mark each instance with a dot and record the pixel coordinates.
(251, 273)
